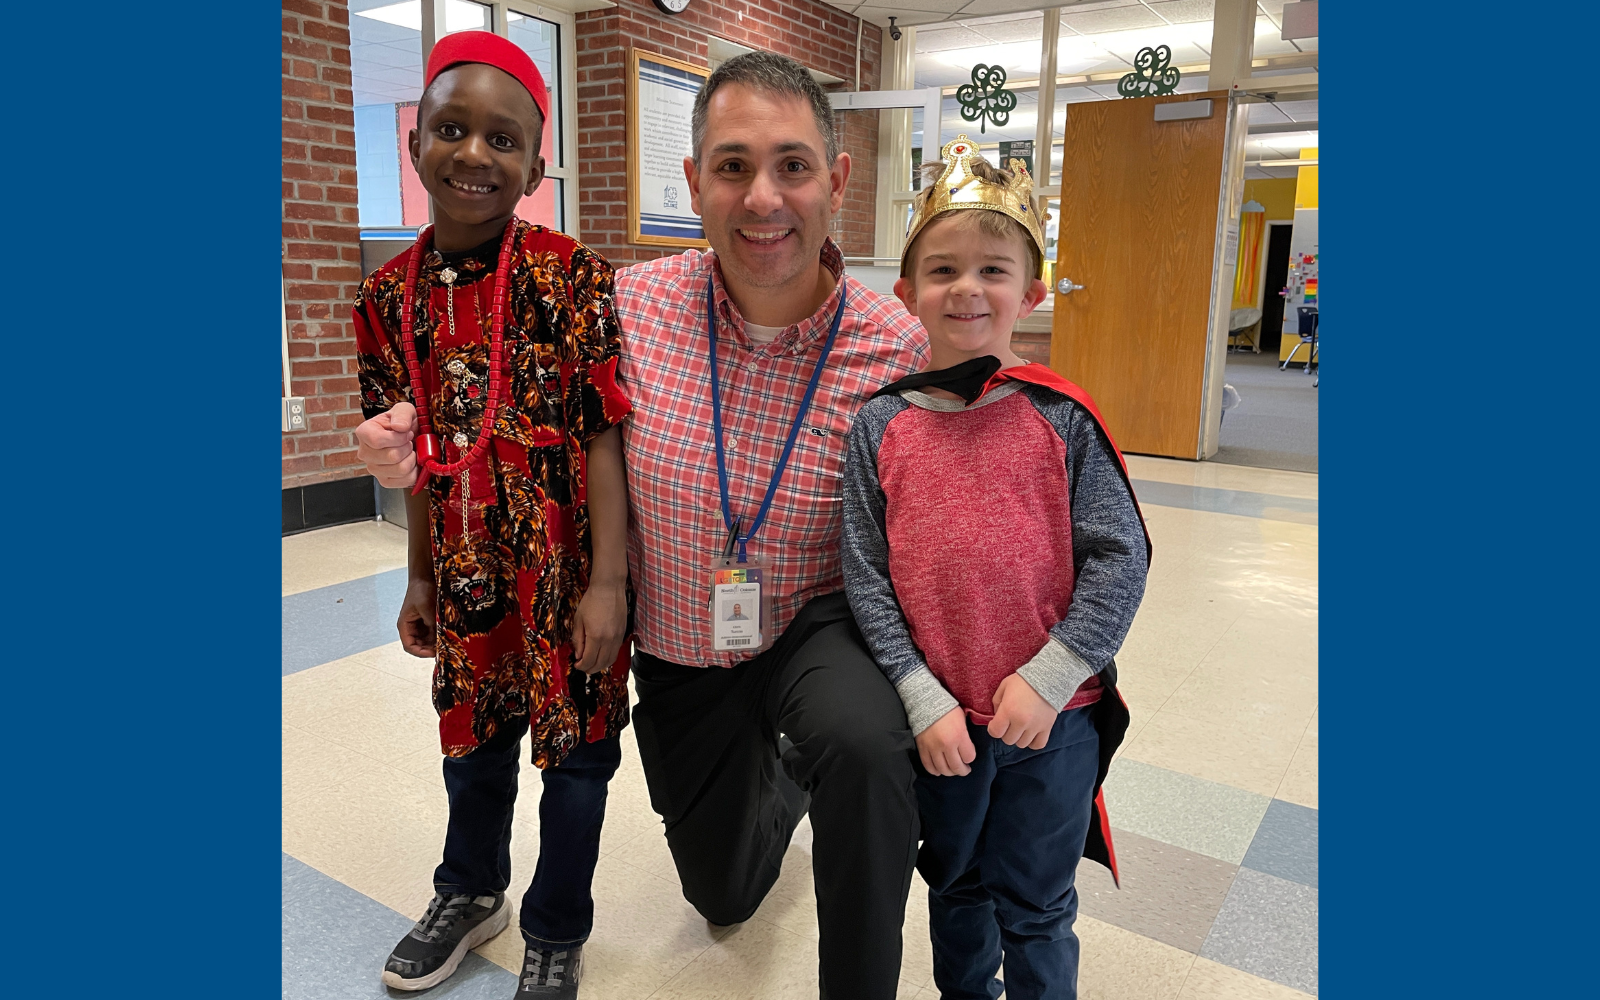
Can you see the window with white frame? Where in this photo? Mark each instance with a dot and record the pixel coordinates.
(386, 56)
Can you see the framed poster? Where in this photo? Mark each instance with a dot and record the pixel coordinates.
(661, 95)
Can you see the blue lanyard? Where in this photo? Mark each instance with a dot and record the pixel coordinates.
(794, 432)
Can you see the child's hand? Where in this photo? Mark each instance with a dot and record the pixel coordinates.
(945, 747)
(416, 618)
(1021, 717)
(384, 443)
(599, 626)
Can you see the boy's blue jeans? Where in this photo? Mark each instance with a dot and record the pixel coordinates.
(558, 908)
(999, 851)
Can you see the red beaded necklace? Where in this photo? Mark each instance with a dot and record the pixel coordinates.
(429, 451)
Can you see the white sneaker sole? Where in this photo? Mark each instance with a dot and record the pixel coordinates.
(485, 931)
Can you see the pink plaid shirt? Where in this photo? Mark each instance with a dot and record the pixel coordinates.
(677, 524)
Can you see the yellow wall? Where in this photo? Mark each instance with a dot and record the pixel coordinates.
(1305, 189)
(1305, 199)
(1275, 194)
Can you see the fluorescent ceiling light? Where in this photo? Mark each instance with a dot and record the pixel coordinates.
(1019, 56)
(1300, 139)
(1081, 53)
(459, 15)
(1174, 36)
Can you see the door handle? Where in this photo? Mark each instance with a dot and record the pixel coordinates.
(1066, 287)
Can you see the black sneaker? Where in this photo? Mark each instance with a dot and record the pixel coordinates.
(453, 926)
(551, 973)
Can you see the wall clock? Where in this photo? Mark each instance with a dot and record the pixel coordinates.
(672, 6)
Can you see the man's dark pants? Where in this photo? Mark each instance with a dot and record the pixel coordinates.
(558, 908)
(1000, 852)
(709, 741)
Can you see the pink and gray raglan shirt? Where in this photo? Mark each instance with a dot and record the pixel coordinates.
(988, 539)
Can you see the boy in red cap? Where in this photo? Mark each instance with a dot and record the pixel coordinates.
(488, 356)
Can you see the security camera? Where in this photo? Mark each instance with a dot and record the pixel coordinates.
(894, 32)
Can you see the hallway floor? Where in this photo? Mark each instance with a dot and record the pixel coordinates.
(1275, 424)
(1213, 796)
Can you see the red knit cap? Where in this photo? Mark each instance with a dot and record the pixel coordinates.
(490, 49)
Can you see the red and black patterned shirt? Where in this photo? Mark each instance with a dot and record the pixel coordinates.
(509, 583)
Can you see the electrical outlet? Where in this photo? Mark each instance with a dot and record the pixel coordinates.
(294, 414)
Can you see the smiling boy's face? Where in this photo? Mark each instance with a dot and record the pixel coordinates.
(476, 149)
(969, 286)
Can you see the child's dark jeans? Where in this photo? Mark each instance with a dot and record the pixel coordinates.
(999, 851)
(558, 908)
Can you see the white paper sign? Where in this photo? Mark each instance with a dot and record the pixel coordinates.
(666, 103)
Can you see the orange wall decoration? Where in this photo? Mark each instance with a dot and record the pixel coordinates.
(1247, 274)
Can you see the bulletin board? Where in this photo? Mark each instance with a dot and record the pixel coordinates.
(661, 94)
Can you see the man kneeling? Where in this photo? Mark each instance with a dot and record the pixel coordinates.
(744, 365)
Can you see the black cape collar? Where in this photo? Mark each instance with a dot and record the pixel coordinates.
(965, 380)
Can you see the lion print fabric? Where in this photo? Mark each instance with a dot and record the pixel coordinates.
(510, 580)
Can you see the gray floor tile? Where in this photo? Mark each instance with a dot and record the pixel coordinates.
(1286, 843)
(1263, 505)
(1168, 893)
(335, 940)
(1202, 816)
(1268, 928)
(341, 620)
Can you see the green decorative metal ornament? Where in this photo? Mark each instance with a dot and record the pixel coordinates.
(1151, 76)
(986, 97)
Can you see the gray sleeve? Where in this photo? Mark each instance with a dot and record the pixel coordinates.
(866, 572)
(1108, 554)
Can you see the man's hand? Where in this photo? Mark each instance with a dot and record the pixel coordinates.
(1021, 717)
(384, 443)
(599, 626)
(945, 747)
(416, 618)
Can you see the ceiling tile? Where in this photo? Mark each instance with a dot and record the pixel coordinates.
(945, 37)
(1013, 29)
(1118, 19)
(1099, 5)
(1185, 11)
(1182, 54)
(905, 17)
(1269, 39)
(982, 8)
(913, 7)
(979, 22)
(1300, 111)
(1266, 114)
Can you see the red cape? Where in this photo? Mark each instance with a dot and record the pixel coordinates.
(1038, 374)
(1111, 716)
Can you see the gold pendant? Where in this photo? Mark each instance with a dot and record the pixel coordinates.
(460, 441)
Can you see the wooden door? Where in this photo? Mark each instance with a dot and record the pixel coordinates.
(1138, 230)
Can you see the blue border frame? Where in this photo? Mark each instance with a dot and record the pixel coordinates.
(144, 703)
(1458, 544)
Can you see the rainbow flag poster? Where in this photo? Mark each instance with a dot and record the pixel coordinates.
(1311, 290)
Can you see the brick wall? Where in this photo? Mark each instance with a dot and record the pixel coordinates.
(322, 245)
(821, 37)
(1031, 346)
(857, 222)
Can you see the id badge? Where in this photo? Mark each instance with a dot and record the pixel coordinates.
(741, 606)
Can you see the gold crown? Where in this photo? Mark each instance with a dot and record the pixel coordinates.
(959, 188)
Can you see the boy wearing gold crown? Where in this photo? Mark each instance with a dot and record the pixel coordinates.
(1001, 648)
(488, 357)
